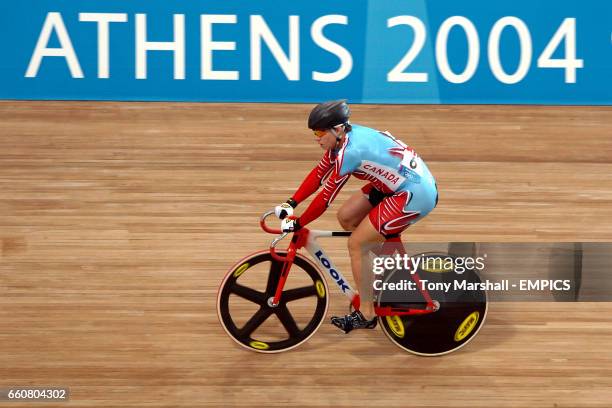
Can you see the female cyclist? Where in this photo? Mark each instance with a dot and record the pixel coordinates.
(400, 189)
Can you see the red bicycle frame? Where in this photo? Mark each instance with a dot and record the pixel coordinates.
(305, 238)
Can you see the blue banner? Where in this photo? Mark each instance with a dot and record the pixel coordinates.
(368, 51)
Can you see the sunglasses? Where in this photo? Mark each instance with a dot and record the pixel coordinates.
(320, 133)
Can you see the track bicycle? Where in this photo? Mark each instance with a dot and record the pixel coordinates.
(264, 308)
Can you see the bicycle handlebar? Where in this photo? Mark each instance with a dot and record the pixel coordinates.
(262, 223)
(275, 241)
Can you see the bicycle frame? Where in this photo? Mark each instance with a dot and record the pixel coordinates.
(305, 238)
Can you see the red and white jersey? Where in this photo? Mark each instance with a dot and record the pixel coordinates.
(377, 157)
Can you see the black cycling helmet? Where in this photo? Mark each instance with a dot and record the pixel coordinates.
(326, 115)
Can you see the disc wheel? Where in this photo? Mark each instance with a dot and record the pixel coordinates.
(244, 298)
(460, 316)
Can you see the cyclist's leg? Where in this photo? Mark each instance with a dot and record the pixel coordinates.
(363, 234)
(353, 211)
(390, 217)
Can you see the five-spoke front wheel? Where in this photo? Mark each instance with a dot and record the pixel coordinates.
(246, 311)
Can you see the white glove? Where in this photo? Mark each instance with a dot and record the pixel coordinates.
(283, 210)
(289, 224)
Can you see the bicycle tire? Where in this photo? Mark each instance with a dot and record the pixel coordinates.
(456, 323)
(295, 336)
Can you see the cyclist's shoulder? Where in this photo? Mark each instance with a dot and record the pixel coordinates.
(364, 134)
(360, 130)
(361, 137)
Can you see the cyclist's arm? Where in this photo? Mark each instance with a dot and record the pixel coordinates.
(315, 178)
(323, 200)
(346, 162)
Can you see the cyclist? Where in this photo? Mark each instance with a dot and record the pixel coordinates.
(401, 190)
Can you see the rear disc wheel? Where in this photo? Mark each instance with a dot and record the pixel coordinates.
(460, 316)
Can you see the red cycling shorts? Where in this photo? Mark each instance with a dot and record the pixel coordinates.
(389, 215)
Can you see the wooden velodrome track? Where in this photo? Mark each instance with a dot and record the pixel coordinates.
(119, 220)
